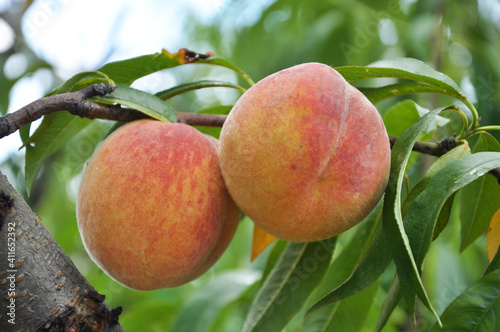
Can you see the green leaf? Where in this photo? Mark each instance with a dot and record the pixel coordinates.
(402, 115)
(422, 216)
(340, 270)
(191, 86)
(444, 217)
(392, 220)
(476, 309)
(349, 315)
(299, 270)
(219, 109)
(63, 126)
(480, 199)
(454, 154)
(229, 65)
(405, 68)
(24, 133)
(391, 301)
(204, 306)
(82, 80)
(398, 89)
(370, 268)
(275, 254)
(140, 101)
(76, 82)
(411, 69)
(127, 71)
(56, 128)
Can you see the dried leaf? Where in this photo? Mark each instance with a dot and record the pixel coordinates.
(261, 240)
(493, 236)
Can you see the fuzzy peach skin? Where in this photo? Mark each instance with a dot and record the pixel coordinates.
(304, 154)
(152, 207)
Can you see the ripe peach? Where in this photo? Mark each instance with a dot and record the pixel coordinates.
(152, 208)
(305, 154)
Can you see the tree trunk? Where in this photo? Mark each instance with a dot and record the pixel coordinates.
(40, 287)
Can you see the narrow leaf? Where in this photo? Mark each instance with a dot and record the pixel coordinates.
(127, 71)
(444, 217)
(63, 126)
(191, 86)
(456, 153)
(411, 69)
(480, 199)
(341, 269)
(351, 313)
(402, 115)
(391, 301)
(140, 101)
(299, 270)
(76, 82)
(493, 236)
(261, 240)
(273, 258)
(229, 65)
(82, 80)
(204, 306)
(370, 268)
(406, 68)
(421, 219)
(219, 109)
(476, 309)
(56, 128)
(398, 89)
(392, 220)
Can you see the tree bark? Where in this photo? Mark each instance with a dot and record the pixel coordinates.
(40, 287)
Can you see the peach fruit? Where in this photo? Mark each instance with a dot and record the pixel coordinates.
(304, 154)
(152, 207)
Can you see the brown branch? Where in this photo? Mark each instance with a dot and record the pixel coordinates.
(196, 119)
(74, 102)
(436, 149)
(77, 104)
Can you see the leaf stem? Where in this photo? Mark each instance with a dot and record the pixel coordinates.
(177, 90)
(475, 116)
(465, 121)
(486, 128)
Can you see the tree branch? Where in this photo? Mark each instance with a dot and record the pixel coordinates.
(40, 287)
(436, 149)
(74, 102)
(77, 103)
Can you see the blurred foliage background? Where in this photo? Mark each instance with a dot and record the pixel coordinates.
(459, 38)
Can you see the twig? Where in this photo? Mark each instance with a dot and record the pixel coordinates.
(436, 149)
(77, 104)
(74, 102)
(197, 119)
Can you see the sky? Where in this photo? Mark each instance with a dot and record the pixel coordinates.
(77, 35)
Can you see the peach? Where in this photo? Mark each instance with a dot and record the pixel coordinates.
(304, 154)
(152, 207)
